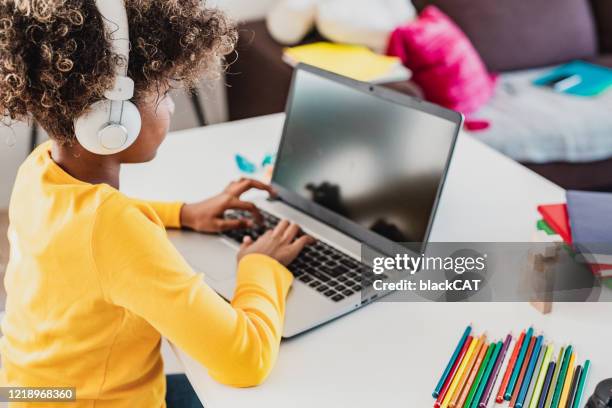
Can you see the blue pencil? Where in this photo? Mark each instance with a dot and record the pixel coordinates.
(518, 365)
(466, 333)
(547, 383)
(530, 368)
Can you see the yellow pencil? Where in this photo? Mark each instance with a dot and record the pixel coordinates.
(568, 382)
(453, 386)
(466, 372)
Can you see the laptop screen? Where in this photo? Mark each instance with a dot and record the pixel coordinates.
(366, 158)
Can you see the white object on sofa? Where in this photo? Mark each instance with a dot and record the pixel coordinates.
(243, 10)
(537, 125)
(290, 20)
(362, 22)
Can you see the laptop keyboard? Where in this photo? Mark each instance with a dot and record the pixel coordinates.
(323, 268)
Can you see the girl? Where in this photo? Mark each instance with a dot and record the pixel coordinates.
(93, 282)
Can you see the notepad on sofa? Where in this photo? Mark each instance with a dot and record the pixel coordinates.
(588, 79)
(353, 61)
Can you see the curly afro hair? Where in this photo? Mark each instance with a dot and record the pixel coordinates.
(56, 59)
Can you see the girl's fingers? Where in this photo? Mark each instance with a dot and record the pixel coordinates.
(241, 186)
(296, 246)
(290, 233)
(279, 230)
(246, 242)
(238, 204)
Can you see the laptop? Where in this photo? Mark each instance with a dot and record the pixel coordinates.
(357, 164)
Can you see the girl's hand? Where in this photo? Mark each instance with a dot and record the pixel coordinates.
(207, 215)
(279, 243)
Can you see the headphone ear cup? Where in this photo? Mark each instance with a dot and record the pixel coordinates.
(132, 121)
(87, 127)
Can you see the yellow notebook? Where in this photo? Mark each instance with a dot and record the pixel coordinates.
(353, 61)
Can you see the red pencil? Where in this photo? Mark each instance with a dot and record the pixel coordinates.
(452, 373)
(523, 370)
(511, 364)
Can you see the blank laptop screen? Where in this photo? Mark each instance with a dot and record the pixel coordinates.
(368, 159)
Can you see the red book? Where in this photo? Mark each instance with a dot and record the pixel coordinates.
(601, 270)
(555, 215)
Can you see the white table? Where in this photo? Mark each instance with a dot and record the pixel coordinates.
(387, 354)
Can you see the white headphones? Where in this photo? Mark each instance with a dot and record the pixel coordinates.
(113, 124)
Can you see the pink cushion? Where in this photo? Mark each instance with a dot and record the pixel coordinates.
(443, 61)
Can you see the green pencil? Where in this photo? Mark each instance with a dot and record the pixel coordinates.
(583, 376)
(561, 379)
(481, 370)
(553, 381)
(486, 374)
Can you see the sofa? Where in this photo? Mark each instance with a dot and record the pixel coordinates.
(563, 138)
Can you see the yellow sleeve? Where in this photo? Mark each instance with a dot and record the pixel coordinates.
(168, 212)
(141, 271)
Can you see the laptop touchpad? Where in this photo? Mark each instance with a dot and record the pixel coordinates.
(207, 254)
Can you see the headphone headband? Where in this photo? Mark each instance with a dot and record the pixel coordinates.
(113, 124)
(116, 26)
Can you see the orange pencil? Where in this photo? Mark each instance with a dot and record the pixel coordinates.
(523, 370)
(470, 381)
(511, 364)
(466, 372)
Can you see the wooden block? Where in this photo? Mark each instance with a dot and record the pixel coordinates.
(538, 279)
(547, 245)
(542, 307)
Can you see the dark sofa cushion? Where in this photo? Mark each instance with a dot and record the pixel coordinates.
(519, 34)
(605, 60)
(603, 17)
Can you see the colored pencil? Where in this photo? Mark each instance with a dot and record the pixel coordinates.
(466, 372)
(459, 374)
(555, 377)
(472, 377)
(581, 384)
(452, 360)
(496, 369)
(533, 361)
(483, 367)
(561, 378)
(500, 377)
(450, 377)
(486, 375)
(534, 377)
(518, 365)
(568, 382)
(521, 376)
(539, 383)
(509, 369)
(571, 399)
(547, 382)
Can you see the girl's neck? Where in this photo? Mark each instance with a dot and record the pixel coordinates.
(86, 166)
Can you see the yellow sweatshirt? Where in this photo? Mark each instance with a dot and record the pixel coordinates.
(93, 282)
